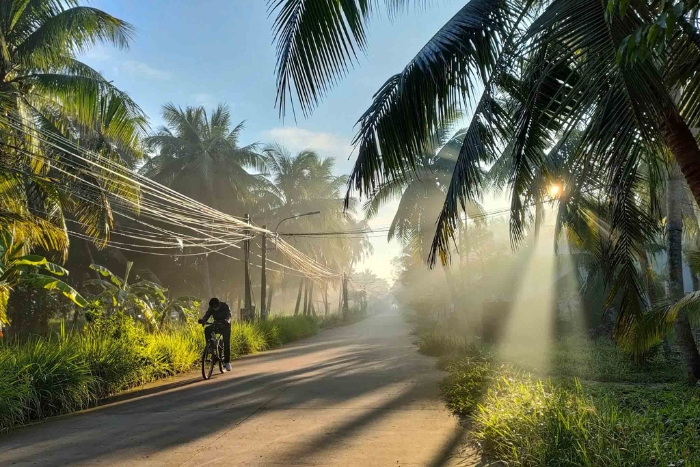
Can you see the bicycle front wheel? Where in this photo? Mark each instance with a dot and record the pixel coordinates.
(208, 357)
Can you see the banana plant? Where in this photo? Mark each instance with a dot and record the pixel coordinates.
(181, 305)
(117, 294)
(18, 267)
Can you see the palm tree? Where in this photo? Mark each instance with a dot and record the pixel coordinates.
(306, 183)
(45, 90)
(421, 194)
(198, 155)
(590, 66)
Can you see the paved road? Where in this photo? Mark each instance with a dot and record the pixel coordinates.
(358, 395)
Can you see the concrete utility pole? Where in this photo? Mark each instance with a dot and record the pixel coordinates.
(263, 278)
(247, 305)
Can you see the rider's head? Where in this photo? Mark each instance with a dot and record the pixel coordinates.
(214, 303)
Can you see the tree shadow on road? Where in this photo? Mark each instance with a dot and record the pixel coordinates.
(203, 414)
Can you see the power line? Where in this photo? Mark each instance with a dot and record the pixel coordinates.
(147, 203)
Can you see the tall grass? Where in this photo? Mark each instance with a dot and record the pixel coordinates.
(521, 419)
(44, 377)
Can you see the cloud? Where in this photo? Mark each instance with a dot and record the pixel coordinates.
(143, 70)
(98, 54)
(325, 144)
(204, 99)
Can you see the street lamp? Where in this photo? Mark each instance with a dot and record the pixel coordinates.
(296, 217)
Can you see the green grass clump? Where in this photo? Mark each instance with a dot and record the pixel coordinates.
(437, 344)
(522, 420)
(247, 338)
(464, 387)
(292, 328)
(601, 360)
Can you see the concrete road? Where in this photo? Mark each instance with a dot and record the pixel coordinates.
(359, 395)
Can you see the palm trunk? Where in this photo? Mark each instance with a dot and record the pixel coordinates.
(346, 308)
(270, 293)
(340, 298)
(325, 299)
(311, 299)
(306, 298)
(685, 150)
(296, 307)
(539, 214)
(674, 226)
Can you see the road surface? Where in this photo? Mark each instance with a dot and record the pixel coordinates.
(358, 395)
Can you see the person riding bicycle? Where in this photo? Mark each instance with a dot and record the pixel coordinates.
(222, 316)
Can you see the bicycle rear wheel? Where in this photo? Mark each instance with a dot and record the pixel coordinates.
(208, 357)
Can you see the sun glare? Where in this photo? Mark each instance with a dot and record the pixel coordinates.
(554, 190)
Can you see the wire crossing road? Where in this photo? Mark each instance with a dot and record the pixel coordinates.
(359, 395)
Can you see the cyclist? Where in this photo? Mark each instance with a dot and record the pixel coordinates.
(222, 316)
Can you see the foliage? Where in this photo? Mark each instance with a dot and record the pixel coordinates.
(43, 377)
(17, 267)
(613, 84)
(46, 88)
(523, 419)
(283, 329)
(117, 294)
(519, 419)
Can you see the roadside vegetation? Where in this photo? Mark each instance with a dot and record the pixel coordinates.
(45, 376)
(591, 404)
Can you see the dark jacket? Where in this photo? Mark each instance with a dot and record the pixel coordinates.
(223, 314)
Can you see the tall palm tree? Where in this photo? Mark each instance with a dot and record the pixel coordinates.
(590, 65)
(421, 194)
(306, 183)
(198, 155)
(44, 87)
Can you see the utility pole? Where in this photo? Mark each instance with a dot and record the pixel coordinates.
(263, 279)
(345, 295)
(247, 297)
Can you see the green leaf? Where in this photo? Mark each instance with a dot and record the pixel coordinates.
(623, 7)
(653, 34)
(51, 283)
(30, 260)
(670, 24)
(103, 271)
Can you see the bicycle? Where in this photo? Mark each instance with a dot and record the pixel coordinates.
(213, 352)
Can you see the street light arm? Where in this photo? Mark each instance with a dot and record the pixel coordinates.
(296, 217)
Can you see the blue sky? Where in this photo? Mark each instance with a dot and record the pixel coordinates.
(205, 52)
